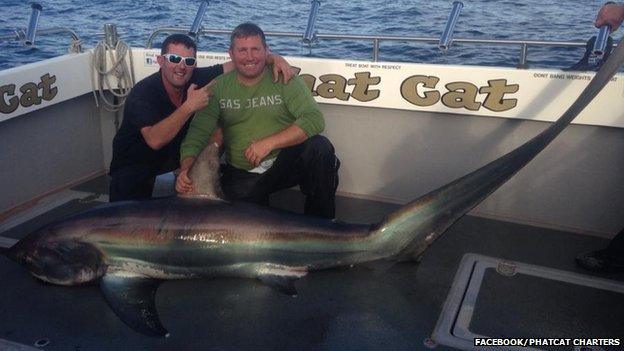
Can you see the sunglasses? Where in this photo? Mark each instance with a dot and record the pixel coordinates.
(175, 59)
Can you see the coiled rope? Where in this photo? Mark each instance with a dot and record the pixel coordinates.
(121, 73)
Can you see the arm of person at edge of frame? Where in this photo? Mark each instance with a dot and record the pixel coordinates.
(184, 184)
(279, 64)
(161, 133)
(610, 14)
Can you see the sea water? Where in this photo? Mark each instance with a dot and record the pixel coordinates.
(481, 19)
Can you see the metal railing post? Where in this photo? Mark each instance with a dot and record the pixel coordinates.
(447, 35)
(600, 44)
(523, 56)
(111, 36)
(199, 17)
(309, 36)
(375, 50)
(32, 24)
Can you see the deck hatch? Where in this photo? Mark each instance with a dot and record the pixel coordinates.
(491, 297)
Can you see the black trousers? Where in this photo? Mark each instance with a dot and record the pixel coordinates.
(131, 183)
(136, 182)
(312, 165)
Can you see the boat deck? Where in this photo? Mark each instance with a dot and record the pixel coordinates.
(368, 307)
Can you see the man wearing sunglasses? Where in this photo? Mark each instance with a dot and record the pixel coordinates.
(270, 132)
(157, 114)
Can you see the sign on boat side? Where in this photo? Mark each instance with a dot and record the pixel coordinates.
(540, 95)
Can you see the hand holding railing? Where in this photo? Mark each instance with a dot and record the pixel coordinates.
(601, 41)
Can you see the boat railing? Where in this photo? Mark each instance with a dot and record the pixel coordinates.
(27, 36)
(20, 35)
(311, 36)
(376, 39)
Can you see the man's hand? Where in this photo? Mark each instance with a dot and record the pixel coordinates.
(611, 15)
(184, 184)
(257, 151)
(197, 98)
(280, 65)
(217, 136)
(161, 133)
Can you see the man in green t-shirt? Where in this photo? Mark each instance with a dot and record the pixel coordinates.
(269, 132)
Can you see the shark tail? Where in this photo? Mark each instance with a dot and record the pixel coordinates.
(408, 232)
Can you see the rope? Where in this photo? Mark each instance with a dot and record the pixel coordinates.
(121, 72)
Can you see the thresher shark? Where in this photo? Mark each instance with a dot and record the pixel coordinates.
(130, 247)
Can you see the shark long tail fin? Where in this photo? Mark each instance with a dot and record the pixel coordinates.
(408, 232)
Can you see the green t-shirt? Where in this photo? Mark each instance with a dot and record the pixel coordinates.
(248, 113)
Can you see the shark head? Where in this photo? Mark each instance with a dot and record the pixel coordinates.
(61, 262)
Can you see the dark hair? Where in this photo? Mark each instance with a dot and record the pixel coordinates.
(246, 30)
(178, 39)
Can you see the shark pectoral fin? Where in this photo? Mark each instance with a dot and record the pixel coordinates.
(282, 278)
(132, 298)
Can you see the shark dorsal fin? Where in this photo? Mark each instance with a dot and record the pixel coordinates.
(205, 174)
